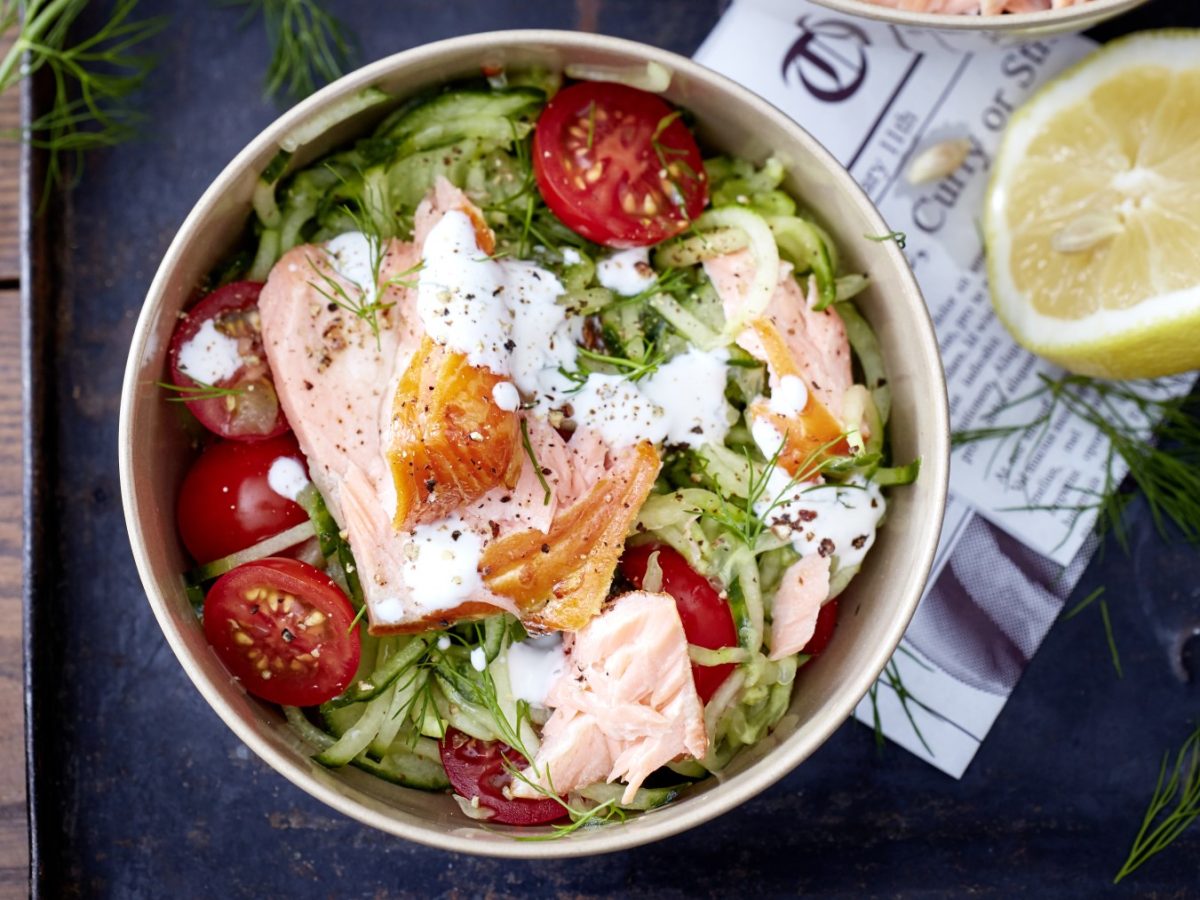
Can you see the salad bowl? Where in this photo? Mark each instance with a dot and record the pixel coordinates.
(1007, 27)
(876, 608)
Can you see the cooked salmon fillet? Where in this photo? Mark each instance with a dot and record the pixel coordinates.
(406, 476)
(333, 373)
(625, 704)
(808, 358)
(971, 7)
(797, 603)
(815, 340)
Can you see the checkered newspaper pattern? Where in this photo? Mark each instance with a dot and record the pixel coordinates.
(875, 96)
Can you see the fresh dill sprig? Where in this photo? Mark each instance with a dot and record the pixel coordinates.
(93, 76)
(1153, 434)
(742, 519)
(672, 160)
(335, 292)
(631, 369)
(669, 281)
(899, 237)
(1083, 604)
(201, 390)
(369, 303)
(1160, 827)
(533, 461)
(308, 45)
(890, 677)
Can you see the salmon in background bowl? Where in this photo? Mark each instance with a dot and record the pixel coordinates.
(1013, 20)
(156, 450)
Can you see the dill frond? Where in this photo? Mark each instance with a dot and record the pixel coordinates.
(309, 45)
(1150, 431)
(1160, 827)
(93, 78)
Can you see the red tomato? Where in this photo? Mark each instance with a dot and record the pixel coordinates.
(283, 628)
(476, 769)
(707, 619)
(617, 165)
(227, 503)
(823, 634)
(253, 413)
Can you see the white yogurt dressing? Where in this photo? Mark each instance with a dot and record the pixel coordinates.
(533, 667)
(789, 397)
(504, 315)
(506, 396)
(690, 389)
(287, 477)
(767, 437)
(350, 256)
(442, 565)
(210, 356)
(478, 659)
(459, 294)
(626, 272)
(829, 519)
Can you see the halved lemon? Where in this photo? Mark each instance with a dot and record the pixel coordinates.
(1092, 218)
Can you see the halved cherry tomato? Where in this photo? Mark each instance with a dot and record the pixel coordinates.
(707, 619)
(283, 628)
(251, 410)
(823, 633)
(617, 165)
(477, 769)
(227, 503)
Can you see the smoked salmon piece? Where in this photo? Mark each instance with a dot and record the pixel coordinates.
(796, 342)
(560, 578)
(811, 433)
(450, 443)
(797, 603)
(625, 705)
(333, 373)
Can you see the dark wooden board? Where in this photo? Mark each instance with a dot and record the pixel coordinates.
(140, 791)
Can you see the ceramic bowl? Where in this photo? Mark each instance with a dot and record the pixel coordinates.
(1006, 27)
(154, 452)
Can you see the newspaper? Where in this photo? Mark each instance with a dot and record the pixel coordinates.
(876, 95)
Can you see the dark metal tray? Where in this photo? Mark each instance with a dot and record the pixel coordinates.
(138, 790)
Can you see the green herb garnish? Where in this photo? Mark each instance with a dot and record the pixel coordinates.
(200, 391)
(1163, 459)
(533, 460)
(308, 45)
(1182, 789)
(742, 519)
(899, 237)
(93, 78)
(1083, 604)
(890, 676)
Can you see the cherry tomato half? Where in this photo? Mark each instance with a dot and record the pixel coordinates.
(227, 503)
(476, 769)
(202, 357)
(707, 619)
(823, 633)
(283, 628)
(617, 165)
